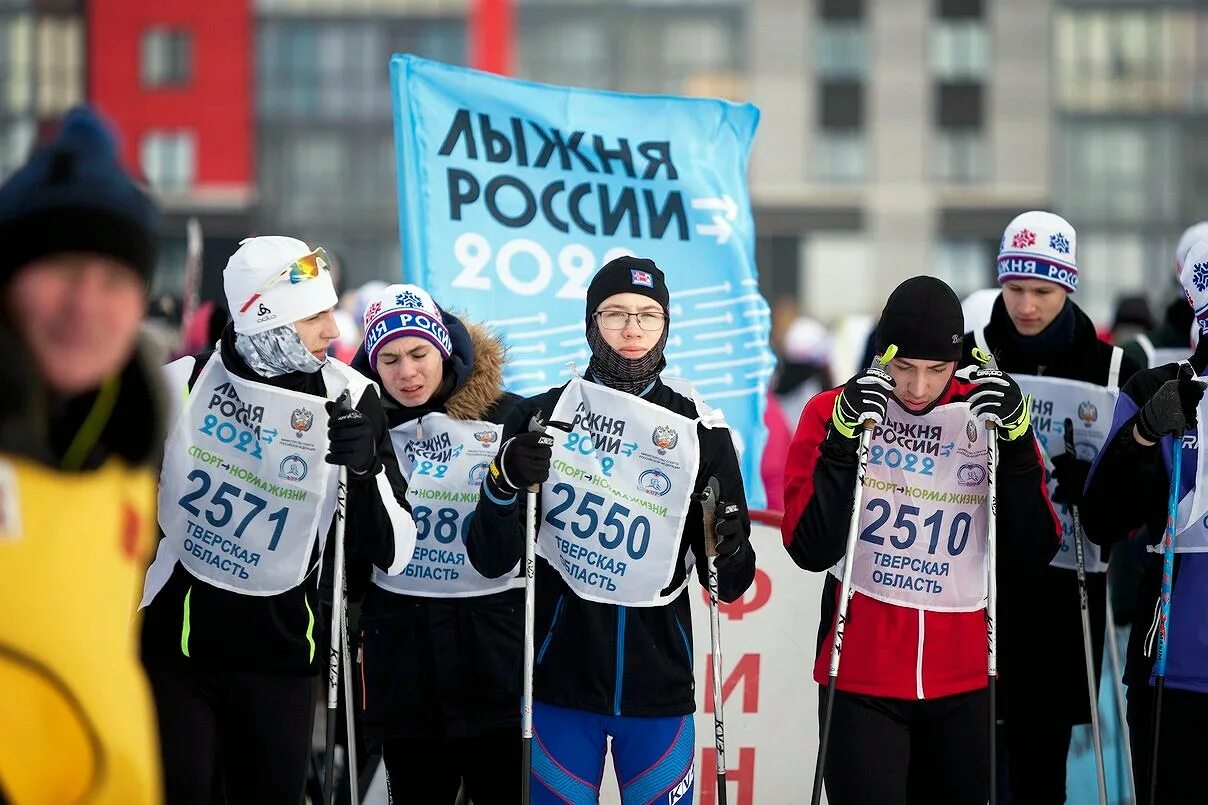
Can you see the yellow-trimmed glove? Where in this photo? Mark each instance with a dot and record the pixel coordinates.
(864, 398)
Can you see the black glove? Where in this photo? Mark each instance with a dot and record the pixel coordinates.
(732, 539)
(523, 461)
(999, 399)
(1172, 409)
(864, 398)
(1070, 473)
(353, 442)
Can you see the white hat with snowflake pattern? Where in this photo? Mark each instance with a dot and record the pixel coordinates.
(1039, 245)
(1195, 282)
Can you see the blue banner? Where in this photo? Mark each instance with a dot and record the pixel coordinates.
(512, 194)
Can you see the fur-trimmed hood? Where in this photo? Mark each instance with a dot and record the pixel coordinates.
(476, 366)
(483, 387)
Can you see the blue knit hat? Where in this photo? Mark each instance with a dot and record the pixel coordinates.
(74, 196)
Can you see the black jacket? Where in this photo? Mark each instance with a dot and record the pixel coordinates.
(445, 667)
(1039, 609)
(278, 633)
(605, 658)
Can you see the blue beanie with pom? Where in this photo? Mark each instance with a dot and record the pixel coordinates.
(74, 196)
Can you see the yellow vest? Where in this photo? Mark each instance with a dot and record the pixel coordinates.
(76, 718)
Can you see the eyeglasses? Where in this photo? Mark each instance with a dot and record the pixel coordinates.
(306, 267)
(618, 319)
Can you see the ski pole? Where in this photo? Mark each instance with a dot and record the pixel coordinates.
(992, 601)
(1172, 513)
(992, 583)
(349, 702)
(530, 616)
(845, 591)
(337, 628)
(709, 506)
(1087, 651)
(1121, 709)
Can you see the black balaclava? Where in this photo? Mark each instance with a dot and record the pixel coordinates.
(1058, 335)
(626, 275)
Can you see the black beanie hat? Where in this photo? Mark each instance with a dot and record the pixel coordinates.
(73, 196)
(627, 275)
(923, 318)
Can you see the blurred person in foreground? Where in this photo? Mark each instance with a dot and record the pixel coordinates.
(79, 441)
(1170, 340)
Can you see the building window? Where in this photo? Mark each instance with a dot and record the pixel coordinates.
(840, 152)
(16, 139)
(959, 9)
(841, 104)
(966, 264)
(840, 9)
(60, 65)
(960, 133)
(336, 70)
(16, 57)
(841, 50)
(633, 50)
(1128, 60)
(1124, 172)
(1125, 254)
(958, 50)
(169, 160)
(167, 57)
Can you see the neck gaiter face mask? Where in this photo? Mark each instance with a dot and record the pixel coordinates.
(276, 352)
(618, 372)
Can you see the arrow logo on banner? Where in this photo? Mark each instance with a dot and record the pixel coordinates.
(540, 318)
(539, 347)
(720, 229)
(726, 204)
(510, 379)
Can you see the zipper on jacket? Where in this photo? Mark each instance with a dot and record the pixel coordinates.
(918, 663)
(622, 612)
(553, 624)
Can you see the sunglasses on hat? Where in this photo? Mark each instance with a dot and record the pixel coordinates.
(306, 267)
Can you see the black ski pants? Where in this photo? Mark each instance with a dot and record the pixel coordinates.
(908, 752)
(243, 734)
(1182, 747)
(431, 770)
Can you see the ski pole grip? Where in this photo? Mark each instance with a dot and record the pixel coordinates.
(538, 424)
(880, 362)
(708, 503)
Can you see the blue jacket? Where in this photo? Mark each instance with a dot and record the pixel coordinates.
(1129, 487)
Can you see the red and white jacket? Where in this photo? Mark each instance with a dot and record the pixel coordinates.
(895, 651)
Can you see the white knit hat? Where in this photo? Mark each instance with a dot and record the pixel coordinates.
(1194, 280)
(1039, 245)
(268, 283)
(1191, 236)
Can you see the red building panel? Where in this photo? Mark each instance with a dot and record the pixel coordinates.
(215, 103)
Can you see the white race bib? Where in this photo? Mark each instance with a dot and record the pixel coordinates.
(619, 489)
(245, 491)
(1192, 531)
(1090, 408)
(444, 461)
(922, 541)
